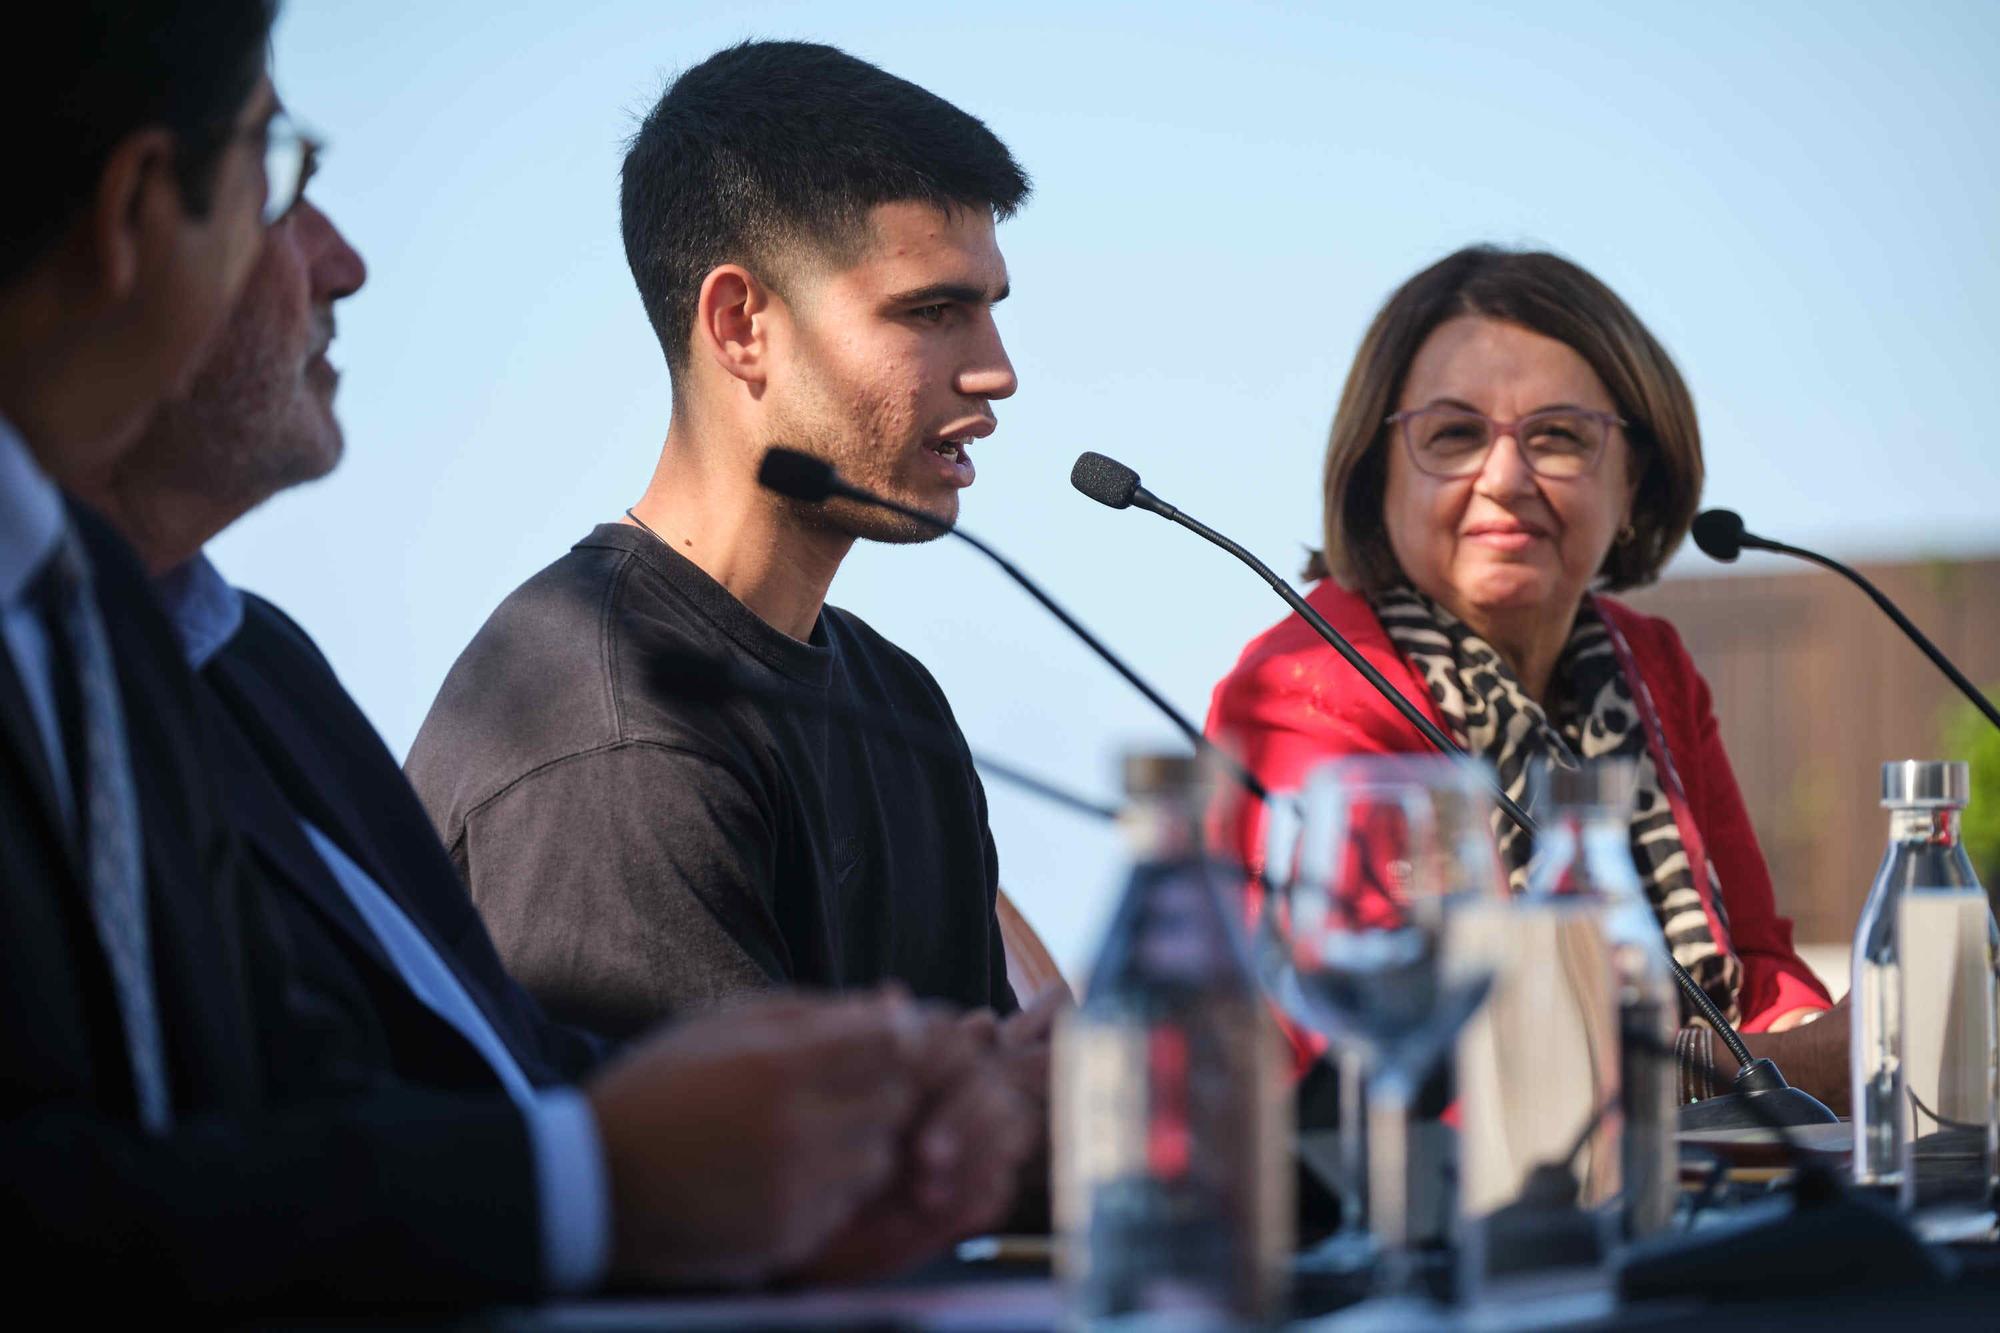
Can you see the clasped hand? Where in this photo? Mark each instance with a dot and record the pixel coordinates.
(816, 1138)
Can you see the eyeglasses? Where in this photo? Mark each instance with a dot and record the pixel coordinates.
(1559, 444)
(290, 158)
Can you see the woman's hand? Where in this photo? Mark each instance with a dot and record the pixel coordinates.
(1792, 1018)
(1811, 1055)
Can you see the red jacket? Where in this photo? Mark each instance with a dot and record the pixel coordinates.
(1291, 702)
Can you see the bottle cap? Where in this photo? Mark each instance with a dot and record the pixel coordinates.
(1150, 773)
(1926, 782)
(1598, 784)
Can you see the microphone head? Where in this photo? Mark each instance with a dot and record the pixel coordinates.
(1719, 534)
(797, 475)
(1105, 480)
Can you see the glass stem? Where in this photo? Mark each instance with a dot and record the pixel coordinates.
(1389, 1098)
(1352, 1069)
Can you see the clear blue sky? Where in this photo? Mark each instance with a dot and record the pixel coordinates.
(1800, 199)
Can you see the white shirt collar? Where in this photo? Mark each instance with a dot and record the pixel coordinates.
(31, 515)
(205, 610)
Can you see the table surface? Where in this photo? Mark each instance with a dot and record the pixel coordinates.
(954, 1297)
(1830, 1285)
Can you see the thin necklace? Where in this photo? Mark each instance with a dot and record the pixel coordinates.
(649, 532)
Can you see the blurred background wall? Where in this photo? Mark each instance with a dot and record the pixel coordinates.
(1815, 689)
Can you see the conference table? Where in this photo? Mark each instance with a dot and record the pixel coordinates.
(1835, 1277)
(952, 1299)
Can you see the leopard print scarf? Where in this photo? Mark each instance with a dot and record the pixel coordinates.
(1593, 716)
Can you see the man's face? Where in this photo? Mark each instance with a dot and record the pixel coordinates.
(892, 365)
(180, 276)
(204, 261)
(259, 416)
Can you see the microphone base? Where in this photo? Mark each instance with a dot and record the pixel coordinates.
(1802, 1252)
(1761, 1099)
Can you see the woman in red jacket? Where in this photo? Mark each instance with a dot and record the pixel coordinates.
(1510, 441)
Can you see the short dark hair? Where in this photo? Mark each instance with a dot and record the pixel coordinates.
(98, 71)
(1558, 299)
(766, 146)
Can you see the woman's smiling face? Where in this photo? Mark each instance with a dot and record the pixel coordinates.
(1503, 542)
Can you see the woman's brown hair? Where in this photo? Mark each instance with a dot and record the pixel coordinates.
(1550, 296)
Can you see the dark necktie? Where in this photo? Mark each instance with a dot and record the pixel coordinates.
(107, 807)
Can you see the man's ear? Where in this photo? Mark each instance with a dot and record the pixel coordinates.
(733, 323)
(137, 194)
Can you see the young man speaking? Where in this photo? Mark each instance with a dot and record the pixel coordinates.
(814, 243)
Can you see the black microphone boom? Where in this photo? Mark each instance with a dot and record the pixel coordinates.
(1720, 535)
(802, 477)
(1110, 482)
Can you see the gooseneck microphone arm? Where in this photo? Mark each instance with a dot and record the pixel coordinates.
(1304, 609)
(1091, 641)
(1111, 483)
(812, 480)
(1720, 535)
(1089, 477)
(1889, 608)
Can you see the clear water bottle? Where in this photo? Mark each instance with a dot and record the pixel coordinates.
(1172, 1118)
(1922, 1053)
(1584, 851)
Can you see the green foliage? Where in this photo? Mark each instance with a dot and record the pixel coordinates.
(1969, 736)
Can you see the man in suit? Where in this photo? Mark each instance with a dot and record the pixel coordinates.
(135, 189)
(143, 1131)
(394, 962)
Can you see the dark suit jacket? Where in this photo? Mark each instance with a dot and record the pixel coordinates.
(296, 744)
(383, 1193)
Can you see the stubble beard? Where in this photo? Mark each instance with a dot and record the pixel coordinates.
(863, 463)
(206, 460)
(258, 438)
(861, 522)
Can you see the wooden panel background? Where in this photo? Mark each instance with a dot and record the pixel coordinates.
(1815, 689)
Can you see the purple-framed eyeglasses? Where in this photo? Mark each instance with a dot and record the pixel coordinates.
(1560, 443)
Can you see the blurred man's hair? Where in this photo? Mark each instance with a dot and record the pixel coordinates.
(769, 151)
(94, 72)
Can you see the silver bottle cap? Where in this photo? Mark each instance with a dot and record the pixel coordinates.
(1598, 784)
(1150, 773)
(1919, 782)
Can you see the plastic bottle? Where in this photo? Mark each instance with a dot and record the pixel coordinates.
(1172, 1164)
(1922, 1053)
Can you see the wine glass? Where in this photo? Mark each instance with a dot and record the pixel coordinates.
(1364, 867)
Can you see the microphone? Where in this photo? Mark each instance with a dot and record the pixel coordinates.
(1720, 535)
(713, 680)
(1110, 482)
(800, 476)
